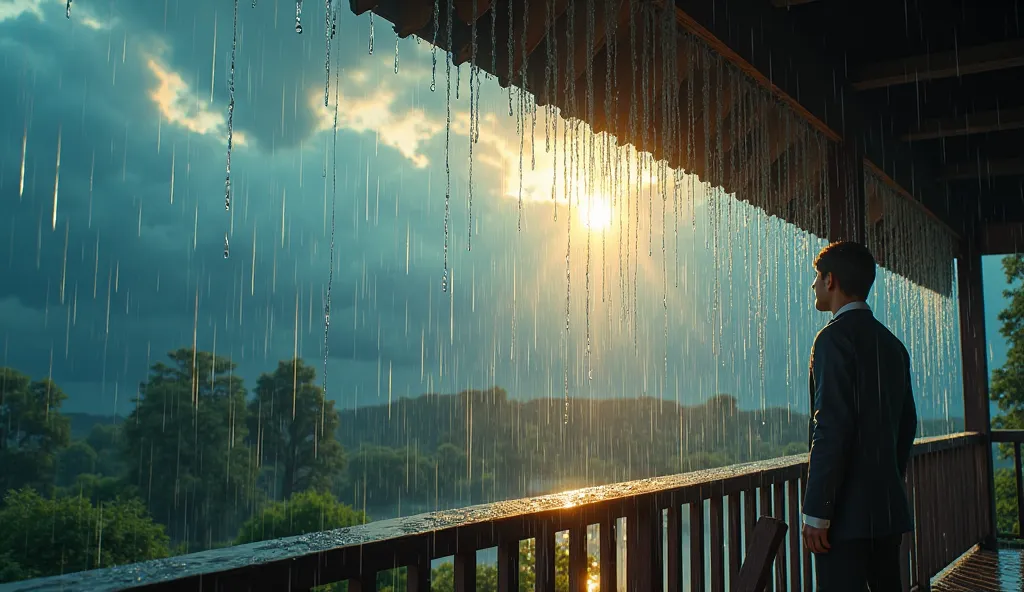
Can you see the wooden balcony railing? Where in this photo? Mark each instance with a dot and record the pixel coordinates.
(1014, 438)
(709, 513)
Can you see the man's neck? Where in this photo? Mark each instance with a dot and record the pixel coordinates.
(838, 304)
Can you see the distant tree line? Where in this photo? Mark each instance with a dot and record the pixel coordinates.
(201, 461)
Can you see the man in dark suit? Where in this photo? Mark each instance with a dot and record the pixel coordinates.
(863, 421)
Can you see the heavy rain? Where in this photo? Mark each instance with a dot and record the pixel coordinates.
(542, 246)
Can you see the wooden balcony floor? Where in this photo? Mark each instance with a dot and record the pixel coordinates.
(985, 571)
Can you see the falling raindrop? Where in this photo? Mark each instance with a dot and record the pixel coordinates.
(298, 16)
(433, 48)
(328, 35)
(231, 119)
(334, 194)
(371, 33)
(447, 146)
(56, 181)
(397, 40)
(24, 153)
(67, 9)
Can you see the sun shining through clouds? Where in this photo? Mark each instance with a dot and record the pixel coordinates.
(596, 214)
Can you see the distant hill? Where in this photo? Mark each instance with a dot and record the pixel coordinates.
(615, 438)
(82, 423)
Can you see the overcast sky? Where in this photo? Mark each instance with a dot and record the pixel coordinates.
(113, 139)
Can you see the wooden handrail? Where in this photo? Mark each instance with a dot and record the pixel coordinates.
(1007, 436)
(747, 491)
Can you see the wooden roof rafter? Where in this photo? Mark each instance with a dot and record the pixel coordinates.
(946, 64)
(981, 122)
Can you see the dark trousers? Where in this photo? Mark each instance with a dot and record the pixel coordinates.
(858, 565)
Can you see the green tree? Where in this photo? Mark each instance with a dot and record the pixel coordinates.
(32, 430)
(185, 450)
(43, 537)
(108, 442)
(389, 476)
(1007, 387)
(75, 460)
(293, 426)
(305, 512)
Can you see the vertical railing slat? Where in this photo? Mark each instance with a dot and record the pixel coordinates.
(697, 546)
(465, 571)
(973, 535)
(808, 575)
(1019, 475)
(749, 517)
(578, 558)
(795, 536)
(608, 555)
(674, 542)
(643, 548)
(508, 564)
(715, 516)
(544, 558)
(417, 576)
(735, 538)
(767, 510)
(779, 505)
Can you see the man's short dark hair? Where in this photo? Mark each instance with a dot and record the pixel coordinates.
(851, 264)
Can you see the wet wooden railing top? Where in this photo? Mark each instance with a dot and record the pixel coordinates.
(336, 554)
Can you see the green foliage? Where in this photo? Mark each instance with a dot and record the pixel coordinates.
(293, 426)
(32, 430)
(76, 459)
(1007, 386)
(305, 512)
(108, 442)
(184, 447)
(1006, 502)
(43, 536)
(1007, 390)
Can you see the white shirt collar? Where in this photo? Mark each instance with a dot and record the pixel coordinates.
(858, 305)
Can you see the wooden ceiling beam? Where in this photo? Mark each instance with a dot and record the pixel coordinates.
(788, 3)
(946, 64)
(1002, 238)
(982, 122)
(984, 169)
(470, 11)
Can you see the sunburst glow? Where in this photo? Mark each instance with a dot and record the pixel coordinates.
(596, 214)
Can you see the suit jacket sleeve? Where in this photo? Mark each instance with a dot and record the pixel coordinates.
(834, 405)
(908, 426)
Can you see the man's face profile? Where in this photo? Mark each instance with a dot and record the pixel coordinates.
(822, 294)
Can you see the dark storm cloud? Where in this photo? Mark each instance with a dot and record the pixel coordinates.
(274, 65)
(159, 279)
(125, 274)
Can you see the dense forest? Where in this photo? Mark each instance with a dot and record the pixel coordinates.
(204, 461)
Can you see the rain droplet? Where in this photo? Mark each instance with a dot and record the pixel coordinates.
(298, 16)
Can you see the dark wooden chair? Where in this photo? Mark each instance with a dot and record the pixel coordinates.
(765, 540)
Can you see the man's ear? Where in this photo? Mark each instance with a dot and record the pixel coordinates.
(830, 281)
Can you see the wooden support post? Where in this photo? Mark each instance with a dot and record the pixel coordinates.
(975, 364)
(846, 191)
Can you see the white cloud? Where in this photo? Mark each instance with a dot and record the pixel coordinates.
(366, 108)
(180, 105)
(12, 9)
